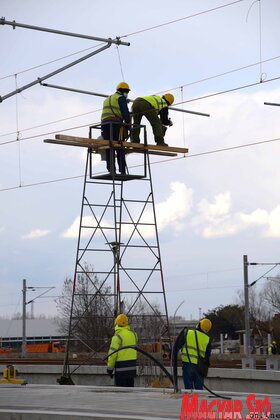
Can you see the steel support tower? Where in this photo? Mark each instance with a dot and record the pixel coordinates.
(118, 262)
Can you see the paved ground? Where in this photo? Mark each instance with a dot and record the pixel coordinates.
(45, 402)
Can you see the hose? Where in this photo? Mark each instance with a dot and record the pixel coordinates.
(157, 362)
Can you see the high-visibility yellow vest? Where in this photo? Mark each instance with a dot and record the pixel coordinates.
(203, 341)
(156, 101)
(111, 108)
(124, 336)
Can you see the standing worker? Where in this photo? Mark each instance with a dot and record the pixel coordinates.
(123, 361)
(115, 113)
(190, 348)
(272, 349)
(151, 107)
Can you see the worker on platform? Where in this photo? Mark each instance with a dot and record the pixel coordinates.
(115, 122)
(155, 109)
(195, 343)
(123, 361)
(272, 349)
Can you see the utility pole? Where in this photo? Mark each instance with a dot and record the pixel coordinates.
(23, 346)
(246, 306)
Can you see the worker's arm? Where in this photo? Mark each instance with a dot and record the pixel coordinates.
(208, 351)
(124, 109)
(164, 116)
(115, 345)
(181, 339)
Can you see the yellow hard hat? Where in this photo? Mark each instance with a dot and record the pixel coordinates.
(169, 98)
(123, 85)
(121, 320)
(205, 325)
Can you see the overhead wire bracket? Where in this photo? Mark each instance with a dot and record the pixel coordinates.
(109, 42)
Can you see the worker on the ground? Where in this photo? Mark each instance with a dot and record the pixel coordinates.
(123, 361)
(155, 109)
(115, 116)
(272, 349)
(190, 348)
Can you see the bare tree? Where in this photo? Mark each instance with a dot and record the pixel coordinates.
(92, 318)
(271, 293)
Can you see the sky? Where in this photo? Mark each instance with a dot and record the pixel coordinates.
(213, 205)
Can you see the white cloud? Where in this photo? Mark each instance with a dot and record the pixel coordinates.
(35, 234)
(2, 229)
(215, 219)
(170, 212)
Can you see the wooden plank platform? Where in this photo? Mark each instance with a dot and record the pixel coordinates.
(102, 144)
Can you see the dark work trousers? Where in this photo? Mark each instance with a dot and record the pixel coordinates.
(192, 380)
(141, 108)
(113, 134)
(123, 380)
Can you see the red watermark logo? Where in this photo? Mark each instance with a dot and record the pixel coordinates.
(219, 409)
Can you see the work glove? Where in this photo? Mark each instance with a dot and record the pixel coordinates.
(110, 373)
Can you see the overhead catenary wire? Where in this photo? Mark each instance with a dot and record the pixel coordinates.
(180, 19)
(152, 163)
(131, 34)
(159, 92)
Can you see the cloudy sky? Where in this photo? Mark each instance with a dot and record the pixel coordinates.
(213, 206)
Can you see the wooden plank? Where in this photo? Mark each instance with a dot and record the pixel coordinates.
(97, 149)
(102, 142)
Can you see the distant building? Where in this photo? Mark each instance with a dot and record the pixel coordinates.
(37, 331)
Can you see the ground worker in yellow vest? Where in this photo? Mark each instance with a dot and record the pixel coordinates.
(188, 344)
(272, 349)
(122, 364)
(155, 109)
(115, 122)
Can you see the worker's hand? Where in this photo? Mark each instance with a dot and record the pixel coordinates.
(170, 122)
(110, 373)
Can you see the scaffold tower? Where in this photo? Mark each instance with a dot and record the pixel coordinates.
(118, 261)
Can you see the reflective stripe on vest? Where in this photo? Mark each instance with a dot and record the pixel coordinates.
(203, 341)
(126, 338)
(111, 108)
(156, 101)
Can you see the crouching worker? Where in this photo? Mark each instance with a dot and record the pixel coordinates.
(123, 361)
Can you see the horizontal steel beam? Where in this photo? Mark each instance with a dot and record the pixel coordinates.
(102, 95)
(271, 103)
(15, 24)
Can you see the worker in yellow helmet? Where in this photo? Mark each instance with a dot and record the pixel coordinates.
(115, 121)
(155, 109)
(195, 344)
(272, 349)
(123, 361)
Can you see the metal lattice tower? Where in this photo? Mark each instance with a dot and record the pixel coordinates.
(118, 263)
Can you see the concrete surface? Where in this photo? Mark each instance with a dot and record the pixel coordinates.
(238, 380)
(57, 402)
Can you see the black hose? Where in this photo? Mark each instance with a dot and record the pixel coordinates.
(145, 354)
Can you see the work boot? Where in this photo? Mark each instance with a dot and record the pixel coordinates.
(162, 143)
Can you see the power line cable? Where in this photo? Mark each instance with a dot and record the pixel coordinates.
(152, 163)
(177, 103)
(51, 122)
(205, 79)
(133, 33)
(170, 89)
(50, 62)
(228, 90)
(180, 19)
(18, 135)
(120, 62)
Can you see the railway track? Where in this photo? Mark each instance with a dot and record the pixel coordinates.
(230, 364)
